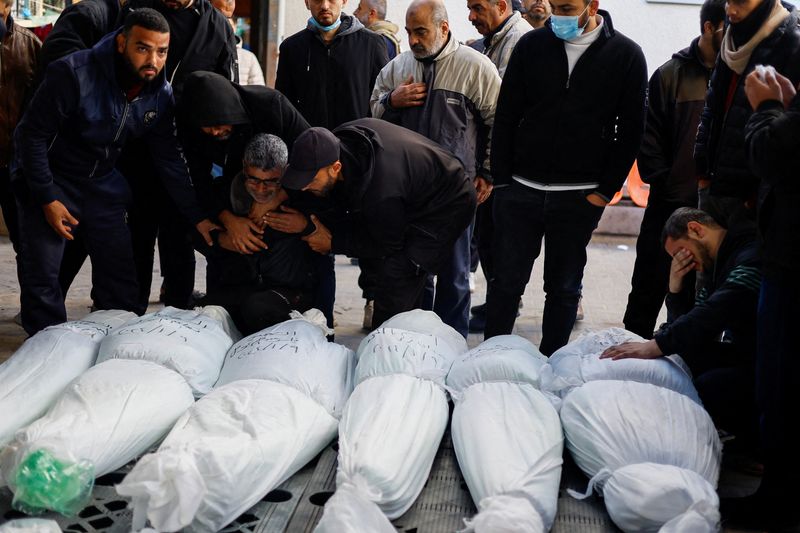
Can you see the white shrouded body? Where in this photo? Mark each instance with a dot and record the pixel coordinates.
(112, 413)
(579, 362)
(614, 425)
(32, 378)
(193, 343)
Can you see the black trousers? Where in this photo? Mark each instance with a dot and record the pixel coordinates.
(9, 206)
(400, 288)
(104, 229)
(650, 280)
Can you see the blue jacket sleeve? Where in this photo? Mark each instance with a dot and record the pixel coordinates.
(55, 100)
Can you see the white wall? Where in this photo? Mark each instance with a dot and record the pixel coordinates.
(660, 29)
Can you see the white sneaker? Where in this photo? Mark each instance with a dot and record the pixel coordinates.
(471, 282)
(369, 310)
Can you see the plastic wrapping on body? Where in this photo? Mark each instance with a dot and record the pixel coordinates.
(508, 441)
(505, 358)
(388, 437)
(295, 353)
(32, 378)
(231, 448)
(193, 343)
(112, 413)
(579, 362)
(611, 425)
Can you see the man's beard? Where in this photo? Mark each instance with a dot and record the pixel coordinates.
(422, 52)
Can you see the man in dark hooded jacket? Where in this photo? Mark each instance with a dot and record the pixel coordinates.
(761, 32)
(224, 116)
(397, 196)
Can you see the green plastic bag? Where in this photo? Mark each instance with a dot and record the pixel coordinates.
(46, 483)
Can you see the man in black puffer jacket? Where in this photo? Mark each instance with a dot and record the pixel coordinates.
(763, 32)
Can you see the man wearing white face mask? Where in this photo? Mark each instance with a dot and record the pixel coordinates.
(574, 92)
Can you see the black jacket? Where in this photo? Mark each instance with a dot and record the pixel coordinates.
(332, 84)
(728, 302)
(211, 100)
(79, 27)
(773, 147)
(570, 130)
(676, 96)
(720, 152)
(402, 193)
(212, 47)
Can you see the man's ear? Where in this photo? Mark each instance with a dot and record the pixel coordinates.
(696, 230)
(336, 167)
(120, 42)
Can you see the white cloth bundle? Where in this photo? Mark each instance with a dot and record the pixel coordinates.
(392, 423)
(579, 362)
(230, 449)
(388, 437)
(113, 412)
(32, 378)
(192, 343)
(508, 440)
(295, 353)
(276, 406)
(612, 427)
(505, 358)
(429, 323)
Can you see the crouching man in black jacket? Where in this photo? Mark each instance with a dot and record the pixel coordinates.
(725, 306)
(397, 196)
(260, 289)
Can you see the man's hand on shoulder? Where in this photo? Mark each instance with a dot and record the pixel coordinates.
(244, 234)
(483, 189)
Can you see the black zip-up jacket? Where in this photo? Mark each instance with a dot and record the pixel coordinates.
(331, 84)
(728, 302)
(560, 129)
(79, 27)
(211, 100)
(402, 193)
(773, 147)
(720, 152)
(212, 47)
(676, 96)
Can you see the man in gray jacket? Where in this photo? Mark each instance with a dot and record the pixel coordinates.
(501, 28)
(446, 92)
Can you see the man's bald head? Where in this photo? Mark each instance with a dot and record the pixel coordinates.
(427, 27)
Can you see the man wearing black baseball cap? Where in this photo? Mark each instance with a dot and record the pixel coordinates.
(397, 196)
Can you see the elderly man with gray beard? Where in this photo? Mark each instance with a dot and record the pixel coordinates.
(446, 92)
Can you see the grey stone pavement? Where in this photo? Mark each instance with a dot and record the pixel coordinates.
(606, 287)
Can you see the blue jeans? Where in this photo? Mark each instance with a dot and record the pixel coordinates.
(523, 218)
(451, 297)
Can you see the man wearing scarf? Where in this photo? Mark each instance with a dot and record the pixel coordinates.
(759, 32)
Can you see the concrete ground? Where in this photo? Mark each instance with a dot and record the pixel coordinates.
(606, 287)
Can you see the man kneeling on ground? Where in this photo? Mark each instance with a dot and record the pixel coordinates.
(716, 335)
(260, 289)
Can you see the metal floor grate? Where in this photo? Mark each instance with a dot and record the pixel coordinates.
(296, 506)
